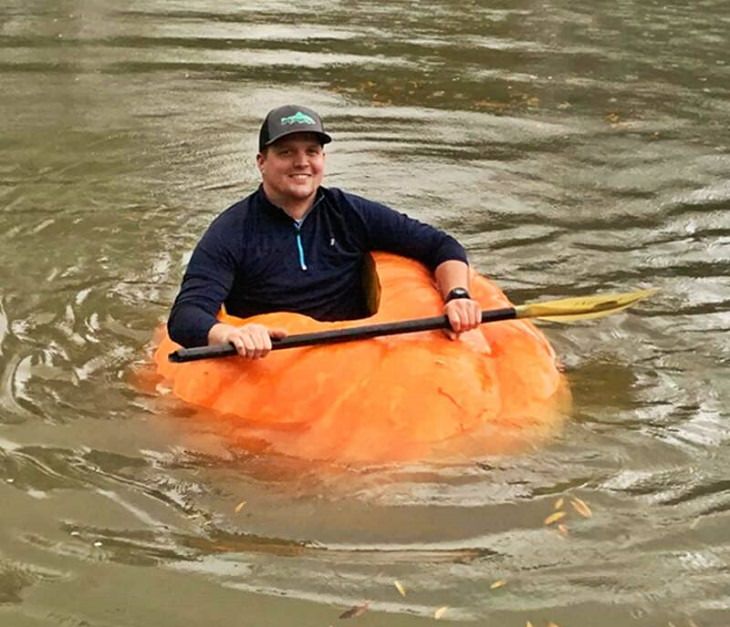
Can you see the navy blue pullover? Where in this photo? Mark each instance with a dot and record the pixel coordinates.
(256, 259)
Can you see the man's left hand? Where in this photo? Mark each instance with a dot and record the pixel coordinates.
(464, 314)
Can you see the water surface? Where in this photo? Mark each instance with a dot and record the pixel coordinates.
(573, 148)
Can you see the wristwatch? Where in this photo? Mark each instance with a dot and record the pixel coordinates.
(457, 292)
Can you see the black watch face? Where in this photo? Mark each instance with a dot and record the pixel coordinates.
(458, 292)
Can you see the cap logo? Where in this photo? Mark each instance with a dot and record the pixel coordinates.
(298, 118)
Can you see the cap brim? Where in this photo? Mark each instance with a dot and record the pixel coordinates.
(323, 137)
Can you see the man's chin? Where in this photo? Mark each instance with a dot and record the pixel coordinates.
(302, 193)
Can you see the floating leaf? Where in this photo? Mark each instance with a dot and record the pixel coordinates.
(559, 503)
(355, 611)
(239, 507)
(581, 507)
(498, 584)
(440, 612)
(528, 624)
(552, 624)
(554, 518)
(399, 587)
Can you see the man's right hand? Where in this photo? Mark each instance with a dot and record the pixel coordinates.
(252, 341)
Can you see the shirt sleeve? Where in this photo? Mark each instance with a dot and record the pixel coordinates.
(205, 286)
(395, 232)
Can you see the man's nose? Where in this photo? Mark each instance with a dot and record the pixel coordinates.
(300, 158)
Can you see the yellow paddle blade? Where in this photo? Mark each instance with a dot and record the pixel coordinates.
(582, 307)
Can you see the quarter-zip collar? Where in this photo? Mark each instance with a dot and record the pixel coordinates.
(278, 212)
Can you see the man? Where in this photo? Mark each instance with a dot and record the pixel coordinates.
(294, 245)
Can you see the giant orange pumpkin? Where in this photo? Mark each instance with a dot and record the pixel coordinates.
(402, 397)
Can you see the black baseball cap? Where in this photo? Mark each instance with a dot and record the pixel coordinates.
(290, 119)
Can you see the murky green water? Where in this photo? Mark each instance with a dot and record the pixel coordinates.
(573, 147)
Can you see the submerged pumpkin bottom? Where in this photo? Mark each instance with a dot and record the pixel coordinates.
(404, 397)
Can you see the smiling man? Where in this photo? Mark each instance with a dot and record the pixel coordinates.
(294, 245)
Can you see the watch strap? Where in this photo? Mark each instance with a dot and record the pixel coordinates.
(456, 293)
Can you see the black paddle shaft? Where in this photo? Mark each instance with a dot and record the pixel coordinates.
(339, 335)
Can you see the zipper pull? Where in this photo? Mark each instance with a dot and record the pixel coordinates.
(300, 248)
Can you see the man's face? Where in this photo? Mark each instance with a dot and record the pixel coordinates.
(292, 168)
